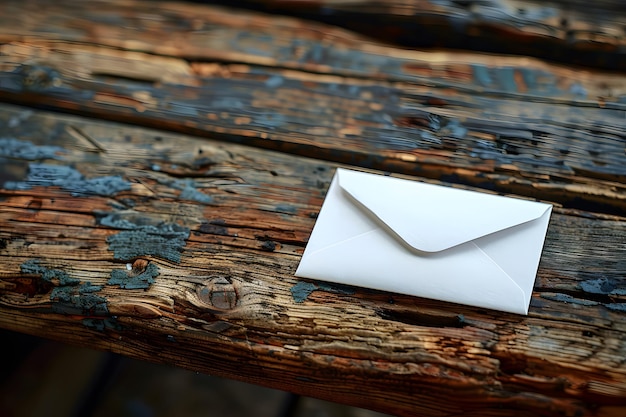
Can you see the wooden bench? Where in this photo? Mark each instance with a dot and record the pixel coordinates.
(162, 165)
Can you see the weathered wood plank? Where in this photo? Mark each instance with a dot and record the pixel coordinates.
(213, 233)
(582, 33)
(545, 142)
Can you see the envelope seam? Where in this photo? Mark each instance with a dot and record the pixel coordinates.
(506, 273)
(342, 241)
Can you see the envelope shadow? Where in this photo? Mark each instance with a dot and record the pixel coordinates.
(426, 312)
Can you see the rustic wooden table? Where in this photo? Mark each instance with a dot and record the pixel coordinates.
(162, 166)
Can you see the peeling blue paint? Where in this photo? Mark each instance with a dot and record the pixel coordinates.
(190, 192)
(79, 300)
(23, 149)
(603, 286)
(454, 129)
(227, 103)
(506, 79)
(130, 281)
(69, 297)
(32, 266)
(38, 77)
(182, 108)
(17, 119)
(578, 90)
(285, 208)
(109, 323)
(165, 240)
(565, 298)
(301, 290)
(269, 120)
(481, 75)
(621, 307)
(274, 81)
(45, 175)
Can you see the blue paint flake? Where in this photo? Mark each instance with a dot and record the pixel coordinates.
(602, 286)
(506, 79)
(45, 175)
(164, 240)
(130, 281)
(190, 192)
(32, 266)
(100, 325)
(23, 149)
(69, 297)
(301, 291)
(274, 81)
(79, 300)
(285, 208)
(182, 108)
(481, 75)
(621, 307)
(565, 298)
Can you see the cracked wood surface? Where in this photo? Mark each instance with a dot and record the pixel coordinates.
(574, 32)
(181, 250)
(513, 125)
(224, 300)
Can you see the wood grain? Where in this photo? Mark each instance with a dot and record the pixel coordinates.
(511, 125)
(230, 305)
(573, 32)
(181, 249)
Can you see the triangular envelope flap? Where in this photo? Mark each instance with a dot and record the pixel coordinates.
(433, 218)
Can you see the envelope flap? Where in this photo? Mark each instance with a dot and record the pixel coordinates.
(433, 218)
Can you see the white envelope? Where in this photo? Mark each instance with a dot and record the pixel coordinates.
(426, 240)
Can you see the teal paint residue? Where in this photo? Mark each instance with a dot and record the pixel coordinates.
(621, 307)
(603, 286)
(45, 175)
(481, 75)
(182, 108)
(506, 79)
(101, 325)
(69, 297)
(286, 208)
(227, 103)
(38, 77)
(301, 291)
(565, 298)
(269, 120)
(79, 300)
(190, 192)
(454, 129)
(32, 266)
(23, 149)
(130, 281)
(165, 240)
(274, 81)
(130, 244)
(578, 90)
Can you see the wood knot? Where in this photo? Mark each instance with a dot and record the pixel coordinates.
(219, 293)
(140, 265)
